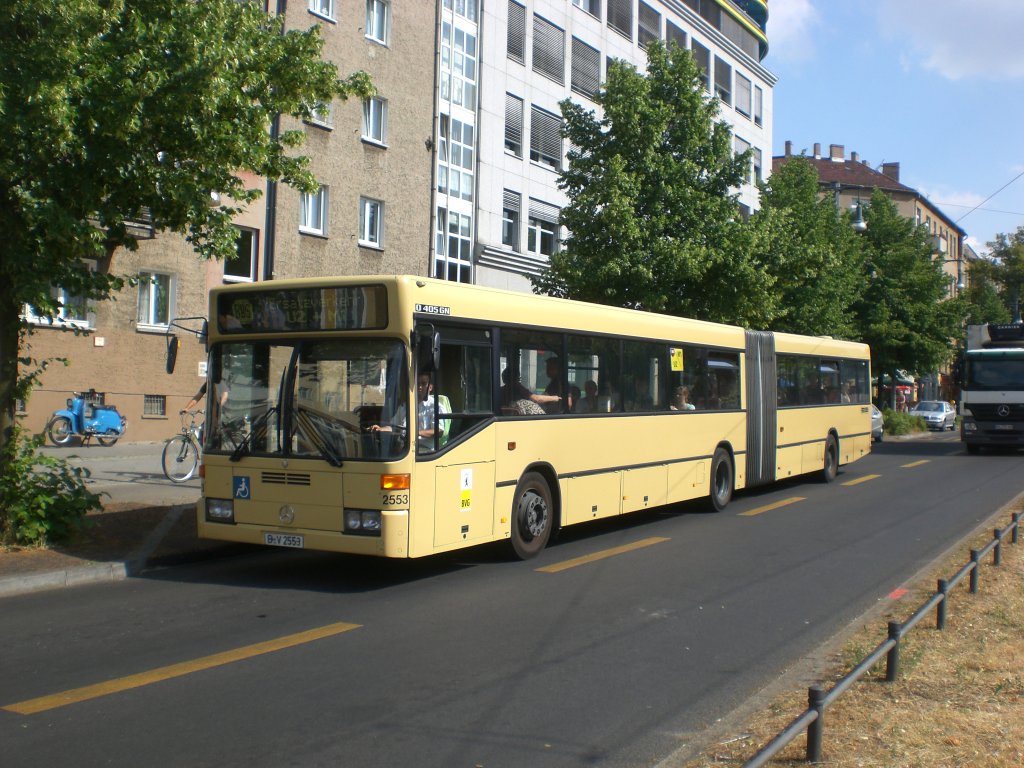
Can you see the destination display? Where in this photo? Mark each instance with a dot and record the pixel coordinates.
(336, 308)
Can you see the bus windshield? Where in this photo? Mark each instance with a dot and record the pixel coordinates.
(309, 399)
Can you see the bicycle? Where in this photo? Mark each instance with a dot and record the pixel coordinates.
(182, 452)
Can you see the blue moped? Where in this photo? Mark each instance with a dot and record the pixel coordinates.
(83, 419)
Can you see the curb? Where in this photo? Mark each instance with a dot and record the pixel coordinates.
(93, 573)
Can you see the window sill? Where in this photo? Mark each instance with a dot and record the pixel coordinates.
(373, 142)
(151, 328)
(63, 325)
(381, 43)
(313, 233)
(371, 246)
(319, 124)
(154, 417)
(322, 16)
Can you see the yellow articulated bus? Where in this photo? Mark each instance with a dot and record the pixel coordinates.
(404, 416)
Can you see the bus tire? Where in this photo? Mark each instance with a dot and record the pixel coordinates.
(831, 468)
(722, 480)
(532, 516)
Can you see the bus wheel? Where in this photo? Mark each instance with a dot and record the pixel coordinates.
(828, 474)
(532, 516)
(721, 480)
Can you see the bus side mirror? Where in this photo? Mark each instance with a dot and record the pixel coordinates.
(172, 352)
(428, 349)
(204, 332)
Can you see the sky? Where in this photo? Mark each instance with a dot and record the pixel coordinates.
(935, 85)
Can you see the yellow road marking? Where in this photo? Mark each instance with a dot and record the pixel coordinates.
(566, 564)
(44, 703)
(859, 480)
(769, 507)
(915, 463)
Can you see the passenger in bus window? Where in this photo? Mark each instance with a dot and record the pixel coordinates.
(519, 400)
(588, 402)
(553, 401)
(642, 400)
(681, 400)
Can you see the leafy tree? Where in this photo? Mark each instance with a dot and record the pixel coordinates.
(653, 219)
(983, 303)
(904, 314)
(126, 110)
(811, 251)
(1008, 251)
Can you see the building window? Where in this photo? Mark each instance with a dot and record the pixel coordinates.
(154, 405)
(323, 8)
(516, 32)
(155, 299)
(593, 7)
(542, 229)
(371, 222)
(545, 138)
(455, 158)
(744, 95)
(464, 8)
(458, 66)
(586, 69)
(377, 21)
(453, 247)
(72, 311)
(313, 212)
(375, 120)
(241, 268)
(758, 163)
(723, 81)
(674, 34)
(513, 125)
(648, 23)
(702, 56)
(739, 146)
(620, 17)
(548, 50)
(322, 115)
(511, 206)
(758, 105)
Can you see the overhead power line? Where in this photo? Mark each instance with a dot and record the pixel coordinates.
(989, 197)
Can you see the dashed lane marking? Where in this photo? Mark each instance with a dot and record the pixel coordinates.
(859, 480)
(45, 703)
(604, 553)
(770, 507)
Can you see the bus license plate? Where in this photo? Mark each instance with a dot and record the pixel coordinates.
(283, 540)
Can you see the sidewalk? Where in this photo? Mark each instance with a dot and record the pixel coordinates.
(146, 521)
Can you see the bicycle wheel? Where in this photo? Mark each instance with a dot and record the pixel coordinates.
(180, 459)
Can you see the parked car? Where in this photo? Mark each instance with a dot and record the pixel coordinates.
(876, 424)
(937, 414)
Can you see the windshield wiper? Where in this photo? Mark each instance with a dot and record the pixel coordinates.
(257, 427)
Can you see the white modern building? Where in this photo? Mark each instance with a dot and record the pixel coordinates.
(504, 67)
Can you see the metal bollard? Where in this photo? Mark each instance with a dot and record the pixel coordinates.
(1016, 526)
(974, 571)
(997, 550)
(816, 702)
(892, 662)
(940, 609)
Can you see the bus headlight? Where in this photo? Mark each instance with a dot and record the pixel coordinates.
(220, 511)
(362, 522)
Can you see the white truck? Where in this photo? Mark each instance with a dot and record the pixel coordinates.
(992, 387)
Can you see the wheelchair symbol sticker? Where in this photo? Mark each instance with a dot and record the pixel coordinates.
(240, 487)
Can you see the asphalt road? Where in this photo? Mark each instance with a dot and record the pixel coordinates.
(469, 659)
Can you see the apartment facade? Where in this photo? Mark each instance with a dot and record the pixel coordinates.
(450, 170)
(851, 180)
